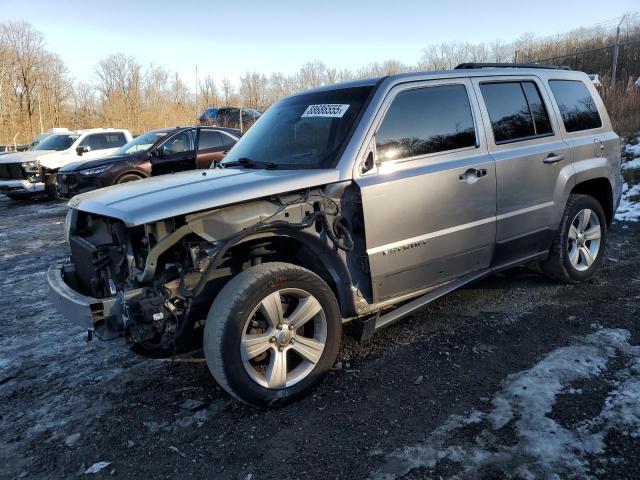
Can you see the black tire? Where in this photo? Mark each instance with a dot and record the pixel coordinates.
(50, 181)
(16, 197)
(128, 177)
(229, 314)
(558, 266)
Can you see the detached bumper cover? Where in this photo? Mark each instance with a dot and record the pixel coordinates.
(20, 186)
(88, 312)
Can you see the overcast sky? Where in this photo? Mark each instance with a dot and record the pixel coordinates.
(230, 38)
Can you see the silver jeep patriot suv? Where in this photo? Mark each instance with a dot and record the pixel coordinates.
(353, 203)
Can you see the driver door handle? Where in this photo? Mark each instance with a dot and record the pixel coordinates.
(553, 158)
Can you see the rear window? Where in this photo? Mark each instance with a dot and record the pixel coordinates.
(577, 107)
(426, 120)
(101, 141)
(209, 139)
(516, 110)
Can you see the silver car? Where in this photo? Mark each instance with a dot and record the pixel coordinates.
(359, 202)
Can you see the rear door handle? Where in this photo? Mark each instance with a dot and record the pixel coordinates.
(553, 158)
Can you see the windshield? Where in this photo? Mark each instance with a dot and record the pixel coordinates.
(140, 144)
(57, 142)
(302, 131)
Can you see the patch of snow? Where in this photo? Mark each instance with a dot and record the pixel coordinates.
(97, 467)
(628, 210)
(632, 149)
(543, 448)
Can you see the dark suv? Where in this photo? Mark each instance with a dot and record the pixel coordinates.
(153, 153)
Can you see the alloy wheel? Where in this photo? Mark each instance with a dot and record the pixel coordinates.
(283, 338)
(583, 244)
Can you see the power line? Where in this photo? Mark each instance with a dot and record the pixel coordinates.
(613, 22)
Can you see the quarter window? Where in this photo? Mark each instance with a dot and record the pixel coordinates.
(577, 107)
(426, 120)
(516, 111)
(227, 140)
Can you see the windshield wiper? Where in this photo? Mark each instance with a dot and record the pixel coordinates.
(247, 162)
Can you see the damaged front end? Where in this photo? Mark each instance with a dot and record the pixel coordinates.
(153, 284)
(100, 288)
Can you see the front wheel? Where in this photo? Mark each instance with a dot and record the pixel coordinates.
(50, 181)
(128, 177)
(578, 249)
(272, 334)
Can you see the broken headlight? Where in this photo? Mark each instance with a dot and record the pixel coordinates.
(30, 167)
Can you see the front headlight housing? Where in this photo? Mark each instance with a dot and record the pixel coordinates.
(31, 166)
(95, 171)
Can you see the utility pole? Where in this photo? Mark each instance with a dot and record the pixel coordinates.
(614, 65)
(40, 114)
(196, 92)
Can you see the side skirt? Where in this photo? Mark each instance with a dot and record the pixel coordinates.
(365, 328)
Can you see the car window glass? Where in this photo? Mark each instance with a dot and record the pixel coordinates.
(95, 141)
(114, 140)
(209, 139)
(57, 142)
(536, 105)
(508, 110)
(426, 120)
(577, 107)
(181, 142)
(227, 140)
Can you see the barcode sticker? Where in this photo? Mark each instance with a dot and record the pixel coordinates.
(326, 110)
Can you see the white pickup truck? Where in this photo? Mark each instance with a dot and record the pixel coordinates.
(25, 174)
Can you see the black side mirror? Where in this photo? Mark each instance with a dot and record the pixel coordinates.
(83, 149)
(159, 151)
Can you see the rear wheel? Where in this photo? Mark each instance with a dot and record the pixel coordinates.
(578, 249)
(272, 334)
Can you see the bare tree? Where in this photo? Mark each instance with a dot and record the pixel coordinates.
(26, 45)
(208, 93)
(253, 86)
(228, 92)
(312, 75)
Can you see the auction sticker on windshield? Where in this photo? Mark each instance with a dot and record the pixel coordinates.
(326, 110)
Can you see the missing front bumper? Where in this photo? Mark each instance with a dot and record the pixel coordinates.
(100, 314)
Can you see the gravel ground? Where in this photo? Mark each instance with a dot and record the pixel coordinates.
(512, 377)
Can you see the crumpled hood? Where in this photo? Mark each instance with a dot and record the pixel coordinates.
(166, 196)
(27, 156)
(98, 162)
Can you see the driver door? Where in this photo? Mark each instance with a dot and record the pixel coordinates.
(429, 198)
(177, 153)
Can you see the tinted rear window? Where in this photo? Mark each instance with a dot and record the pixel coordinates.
(516, 110)
(577, 107)
(424, 121)
(209, 139)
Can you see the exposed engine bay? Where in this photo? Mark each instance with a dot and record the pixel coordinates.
(165, 275)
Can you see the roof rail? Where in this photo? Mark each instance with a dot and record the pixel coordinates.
(465, 66)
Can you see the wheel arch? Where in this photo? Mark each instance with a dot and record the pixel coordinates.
(137, 173)
(304, 250)
(599, 188)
